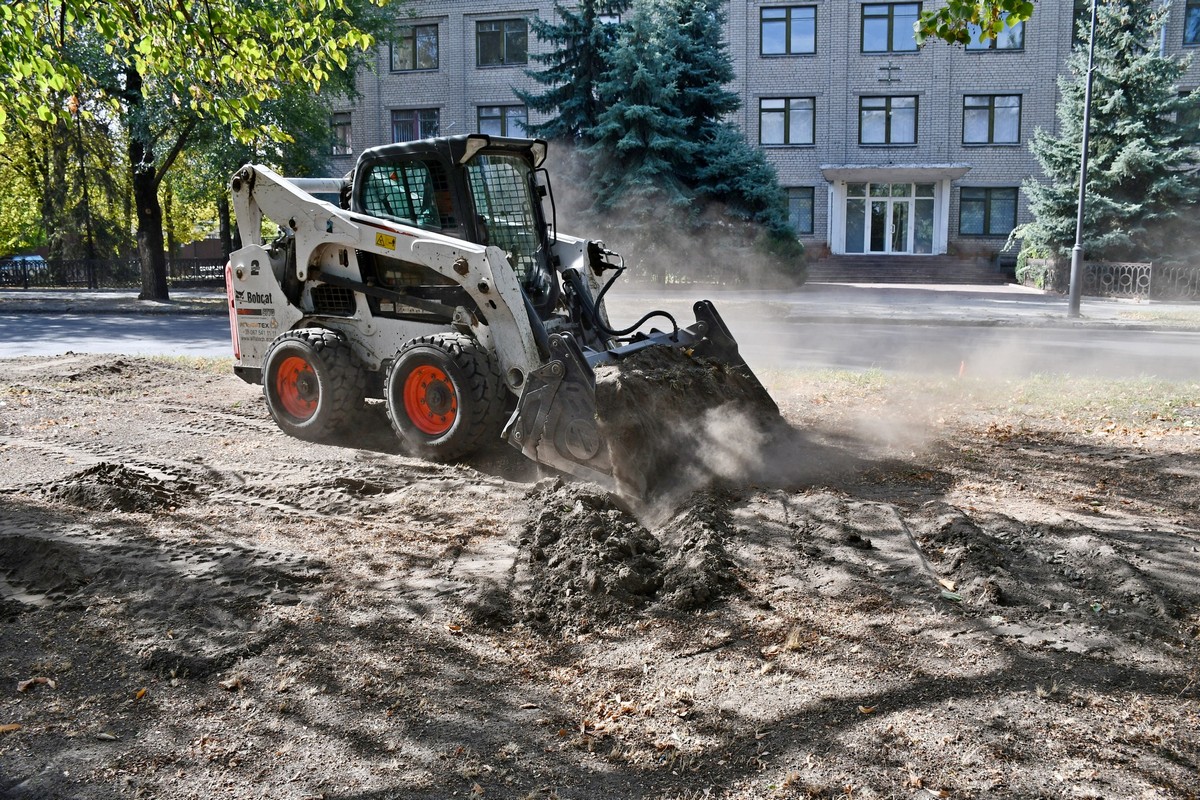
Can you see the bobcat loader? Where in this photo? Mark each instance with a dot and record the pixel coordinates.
(437, 282)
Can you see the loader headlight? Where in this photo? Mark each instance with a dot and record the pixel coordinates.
(475, 143)
(538, 149)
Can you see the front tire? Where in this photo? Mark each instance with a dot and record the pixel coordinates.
(443, 396)
(311, 381)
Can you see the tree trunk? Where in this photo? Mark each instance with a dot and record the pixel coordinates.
(149, 230)
(225, 227)
(145, 195)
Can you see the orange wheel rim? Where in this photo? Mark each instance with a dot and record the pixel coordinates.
(429, 400)
(297, 387)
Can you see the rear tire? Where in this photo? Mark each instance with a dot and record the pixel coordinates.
(443, 396)
(312, 382)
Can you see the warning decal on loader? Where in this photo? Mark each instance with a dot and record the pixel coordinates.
(385, 240)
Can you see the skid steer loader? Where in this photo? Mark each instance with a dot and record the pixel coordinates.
(434, 278)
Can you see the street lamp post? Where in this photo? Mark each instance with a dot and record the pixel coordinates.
(1077, 251)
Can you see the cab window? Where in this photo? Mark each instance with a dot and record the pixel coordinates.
(414, 193)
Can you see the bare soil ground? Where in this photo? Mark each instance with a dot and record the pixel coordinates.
(951, 591)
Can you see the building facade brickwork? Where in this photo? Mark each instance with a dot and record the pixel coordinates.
(888, 148)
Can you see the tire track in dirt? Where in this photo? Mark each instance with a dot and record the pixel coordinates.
(313, 617)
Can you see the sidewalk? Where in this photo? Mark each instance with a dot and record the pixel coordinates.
(927, 304)
(109, 301)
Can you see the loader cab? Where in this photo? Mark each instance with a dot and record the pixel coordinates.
(476, 187)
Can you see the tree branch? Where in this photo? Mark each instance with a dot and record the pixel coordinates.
(161, 172)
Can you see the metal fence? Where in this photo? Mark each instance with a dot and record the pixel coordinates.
(1118, 279)
(120, 273)
(1111, 279)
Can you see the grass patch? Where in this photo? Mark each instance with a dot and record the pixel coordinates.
(1130, 402)
(1085, 403)
(1183, 318)
(215, 366)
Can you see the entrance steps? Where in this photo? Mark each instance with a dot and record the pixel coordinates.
(874, 268)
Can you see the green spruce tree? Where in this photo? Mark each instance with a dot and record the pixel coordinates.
(638, 150)
(726, 169)
(696, 42)
(1141, 198)
(574, 67)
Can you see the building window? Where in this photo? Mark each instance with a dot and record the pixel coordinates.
(786, 120)
(339, 129)
(501, 42)
(992, 119)
(1008, 38)
(800, 209)
(502, 120)
(608, 19)
(409, 125)
(987, 212)
(1191, 22)
(888, 27)
(416, 47)
(789, 30)
(887, 120)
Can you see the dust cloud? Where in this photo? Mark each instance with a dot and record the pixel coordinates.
(677, 246)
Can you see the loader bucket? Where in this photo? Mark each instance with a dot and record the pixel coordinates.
(636, 419)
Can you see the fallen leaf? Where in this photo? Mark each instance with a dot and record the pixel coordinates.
(140, 694)
(530, 705)
(454, 629)
(24, 685)
(10, 727)
(232, 684)
(947, 584)
(477, 790)
(104, 736)
(866, 709)
(953, 596)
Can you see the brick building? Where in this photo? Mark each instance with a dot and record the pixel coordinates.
(885, 149)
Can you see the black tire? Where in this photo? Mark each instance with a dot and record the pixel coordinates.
(312, 382)
(444, 396)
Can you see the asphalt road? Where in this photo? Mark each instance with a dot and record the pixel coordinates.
(980, 351)
(126, 334)
(766, 341)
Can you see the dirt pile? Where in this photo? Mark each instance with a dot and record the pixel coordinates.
(108, 486)
(677, 422)
(586, 562)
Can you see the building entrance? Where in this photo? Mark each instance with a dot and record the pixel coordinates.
(889, 218)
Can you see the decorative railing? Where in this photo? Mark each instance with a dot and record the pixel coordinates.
(1117, 279)
(1176, 282)
(95, 273)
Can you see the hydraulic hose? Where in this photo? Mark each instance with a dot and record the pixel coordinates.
(607, 331)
